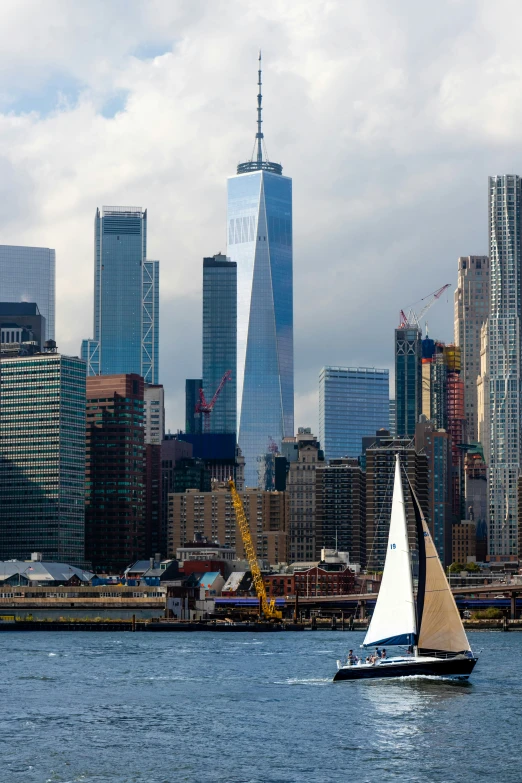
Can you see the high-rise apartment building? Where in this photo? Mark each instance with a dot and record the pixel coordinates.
(483, 422)
(436, 445)
(27, 274)
(353, 403)
(126, 297)
(340, 508)
(42, 457)
(301, 491)
(115, 472)
(260, 241)
(408, 379)
(154, 424)
(471, 312)
(380, 466)
(220, 340)
(211, 514)
(393, 418)
(504, 349)
(154, 413)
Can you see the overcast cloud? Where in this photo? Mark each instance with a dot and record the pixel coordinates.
(387, 116)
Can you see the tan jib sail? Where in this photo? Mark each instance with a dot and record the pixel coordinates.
(441, 628)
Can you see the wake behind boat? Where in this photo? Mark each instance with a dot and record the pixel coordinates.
(430, 625)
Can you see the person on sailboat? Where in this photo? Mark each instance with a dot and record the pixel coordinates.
(352, 659)
(383, 654)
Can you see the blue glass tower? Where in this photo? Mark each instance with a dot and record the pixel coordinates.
(353, 404)
(126, 297)
(220, 340)
(260, 242)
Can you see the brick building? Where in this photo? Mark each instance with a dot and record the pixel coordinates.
(211, 514)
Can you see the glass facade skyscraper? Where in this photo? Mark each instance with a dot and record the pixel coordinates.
(408, 380)
(353, 404)
(27, 274)
(126, 297)
(260, 241)
(42, 457)
(220, 340)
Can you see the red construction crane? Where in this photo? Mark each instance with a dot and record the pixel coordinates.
(206, 408)
(413, 318)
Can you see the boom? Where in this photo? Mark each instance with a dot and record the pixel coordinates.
(269, 608)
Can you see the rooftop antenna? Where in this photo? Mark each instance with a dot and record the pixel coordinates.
(259, 134)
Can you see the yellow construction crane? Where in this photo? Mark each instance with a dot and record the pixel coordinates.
(269, 608)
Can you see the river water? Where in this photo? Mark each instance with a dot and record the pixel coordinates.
(247, 708)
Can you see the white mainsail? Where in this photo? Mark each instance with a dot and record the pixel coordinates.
(441, 628)
(393, 621)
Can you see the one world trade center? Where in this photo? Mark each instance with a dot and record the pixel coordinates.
(260, 241)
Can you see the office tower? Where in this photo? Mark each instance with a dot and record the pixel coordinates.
(192, 419)
(27, 274)
(340, 508)
(353, 403)
(154, 413)
(471, 312)
(408, 379)
(115, 472)
(380, 466)
(22, 328)
(220, 453)
(126, 297)
(220, 341)
(436, 445)
(393, 418)
(211, 514)
(504, 344)
(300, 488)
(42, 457)
(260, 241)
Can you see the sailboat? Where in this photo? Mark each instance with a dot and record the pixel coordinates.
(428, 624)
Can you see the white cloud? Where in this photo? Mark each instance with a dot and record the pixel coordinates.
(388, 121)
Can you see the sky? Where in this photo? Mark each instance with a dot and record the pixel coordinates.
(389, 119)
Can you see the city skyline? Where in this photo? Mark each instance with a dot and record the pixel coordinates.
(146, 160)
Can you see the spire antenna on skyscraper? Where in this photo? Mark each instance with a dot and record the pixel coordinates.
(259, 134)
(256, 162)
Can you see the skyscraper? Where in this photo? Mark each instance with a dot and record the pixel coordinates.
(260, 241)
(471, 312)
(115, 519)
(126, 297)
(220, 340)
(353, 402)
(192, 419)
(42, 457)
(27, 274)
(408, 379)
(504, 366)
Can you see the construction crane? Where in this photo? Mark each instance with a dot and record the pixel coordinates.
(206, 408)
(413, 318)
(269, 608)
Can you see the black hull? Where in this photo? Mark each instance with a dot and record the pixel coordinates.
(450, 667)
